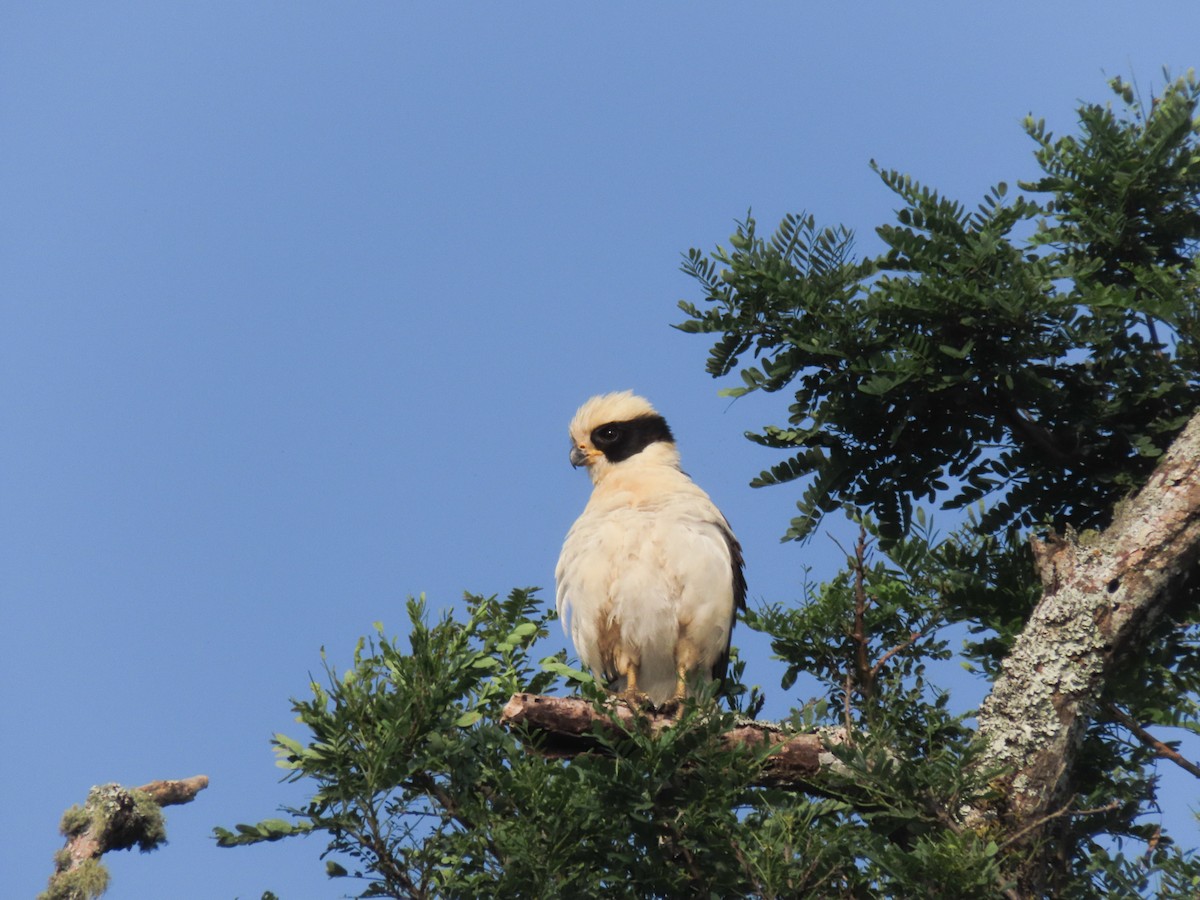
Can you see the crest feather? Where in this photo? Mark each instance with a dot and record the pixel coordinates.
(620, 406)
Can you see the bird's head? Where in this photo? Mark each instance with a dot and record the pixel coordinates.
(619, 429)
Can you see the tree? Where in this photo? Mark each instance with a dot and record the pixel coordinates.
(1031, 366)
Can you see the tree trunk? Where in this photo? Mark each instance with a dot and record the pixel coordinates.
(1100, 598)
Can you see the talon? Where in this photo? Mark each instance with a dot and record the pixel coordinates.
(635, 699)
(633, 696)
(674, 706)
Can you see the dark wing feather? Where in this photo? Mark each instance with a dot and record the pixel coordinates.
(739, 593)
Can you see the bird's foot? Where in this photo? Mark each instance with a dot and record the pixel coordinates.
(635, 699)
(674, 706)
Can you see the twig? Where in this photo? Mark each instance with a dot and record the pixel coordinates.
(1049, 817)
(1028, 431)
(862, 665)
(847, 689)
(1151, 846)
(1152, 742)
(901, 646)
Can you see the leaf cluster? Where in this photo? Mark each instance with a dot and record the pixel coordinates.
(420, 792)
(1023, 363)
(1037, 352)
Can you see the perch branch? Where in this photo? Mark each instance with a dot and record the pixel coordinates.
(566, 727)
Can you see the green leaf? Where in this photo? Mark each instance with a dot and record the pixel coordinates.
(557, 667)
(469, 718)
(521, 632)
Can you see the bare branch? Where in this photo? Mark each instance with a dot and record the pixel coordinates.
(862, 666)
(1152, 742)
(882, 661)
(1033, 826)
(1027, 431)
(176, 791)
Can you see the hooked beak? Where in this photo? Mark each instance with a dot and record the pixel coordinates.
(579, 457)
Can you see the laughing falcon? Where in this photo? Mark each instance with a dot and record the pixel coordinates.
(650, 577)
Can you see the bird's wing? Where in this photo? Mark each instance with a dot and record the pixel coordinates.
(708, 566)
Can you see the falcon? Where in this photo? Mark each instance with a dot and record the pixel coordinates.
(650, 577)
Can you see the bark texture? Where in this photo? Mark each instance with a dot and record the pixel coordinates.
(1100, 597)
(566, 727)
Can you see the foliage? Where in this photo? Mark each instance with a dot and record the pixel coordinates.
(1022, 364)
(422, 793)
(966, 361)
(425, 794)
(1038, 353)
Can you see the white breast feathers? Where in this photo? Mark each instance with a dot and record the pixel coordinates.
(648, 583)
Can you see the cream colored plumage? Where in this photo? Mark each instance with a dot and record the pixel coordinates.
(650, 575)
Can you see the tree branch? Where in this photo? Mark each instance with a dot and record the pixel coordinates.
(1098, 602)
(862, 666)
(1161, 749)
(1050, 817)
(112, 818)
(176, 791)
(566, 727)
(1027, 431)
(882, 661)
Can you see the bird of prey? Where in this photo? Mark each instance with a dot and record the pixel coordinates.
(650, 577)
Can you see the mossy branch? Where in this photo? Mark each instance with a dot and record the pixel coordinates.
(112, 818)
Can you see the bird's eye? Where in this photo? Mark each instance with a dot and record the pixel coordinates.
(605, 434)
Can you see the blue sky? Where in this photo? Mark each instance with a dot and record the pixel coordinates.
(298, 298)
